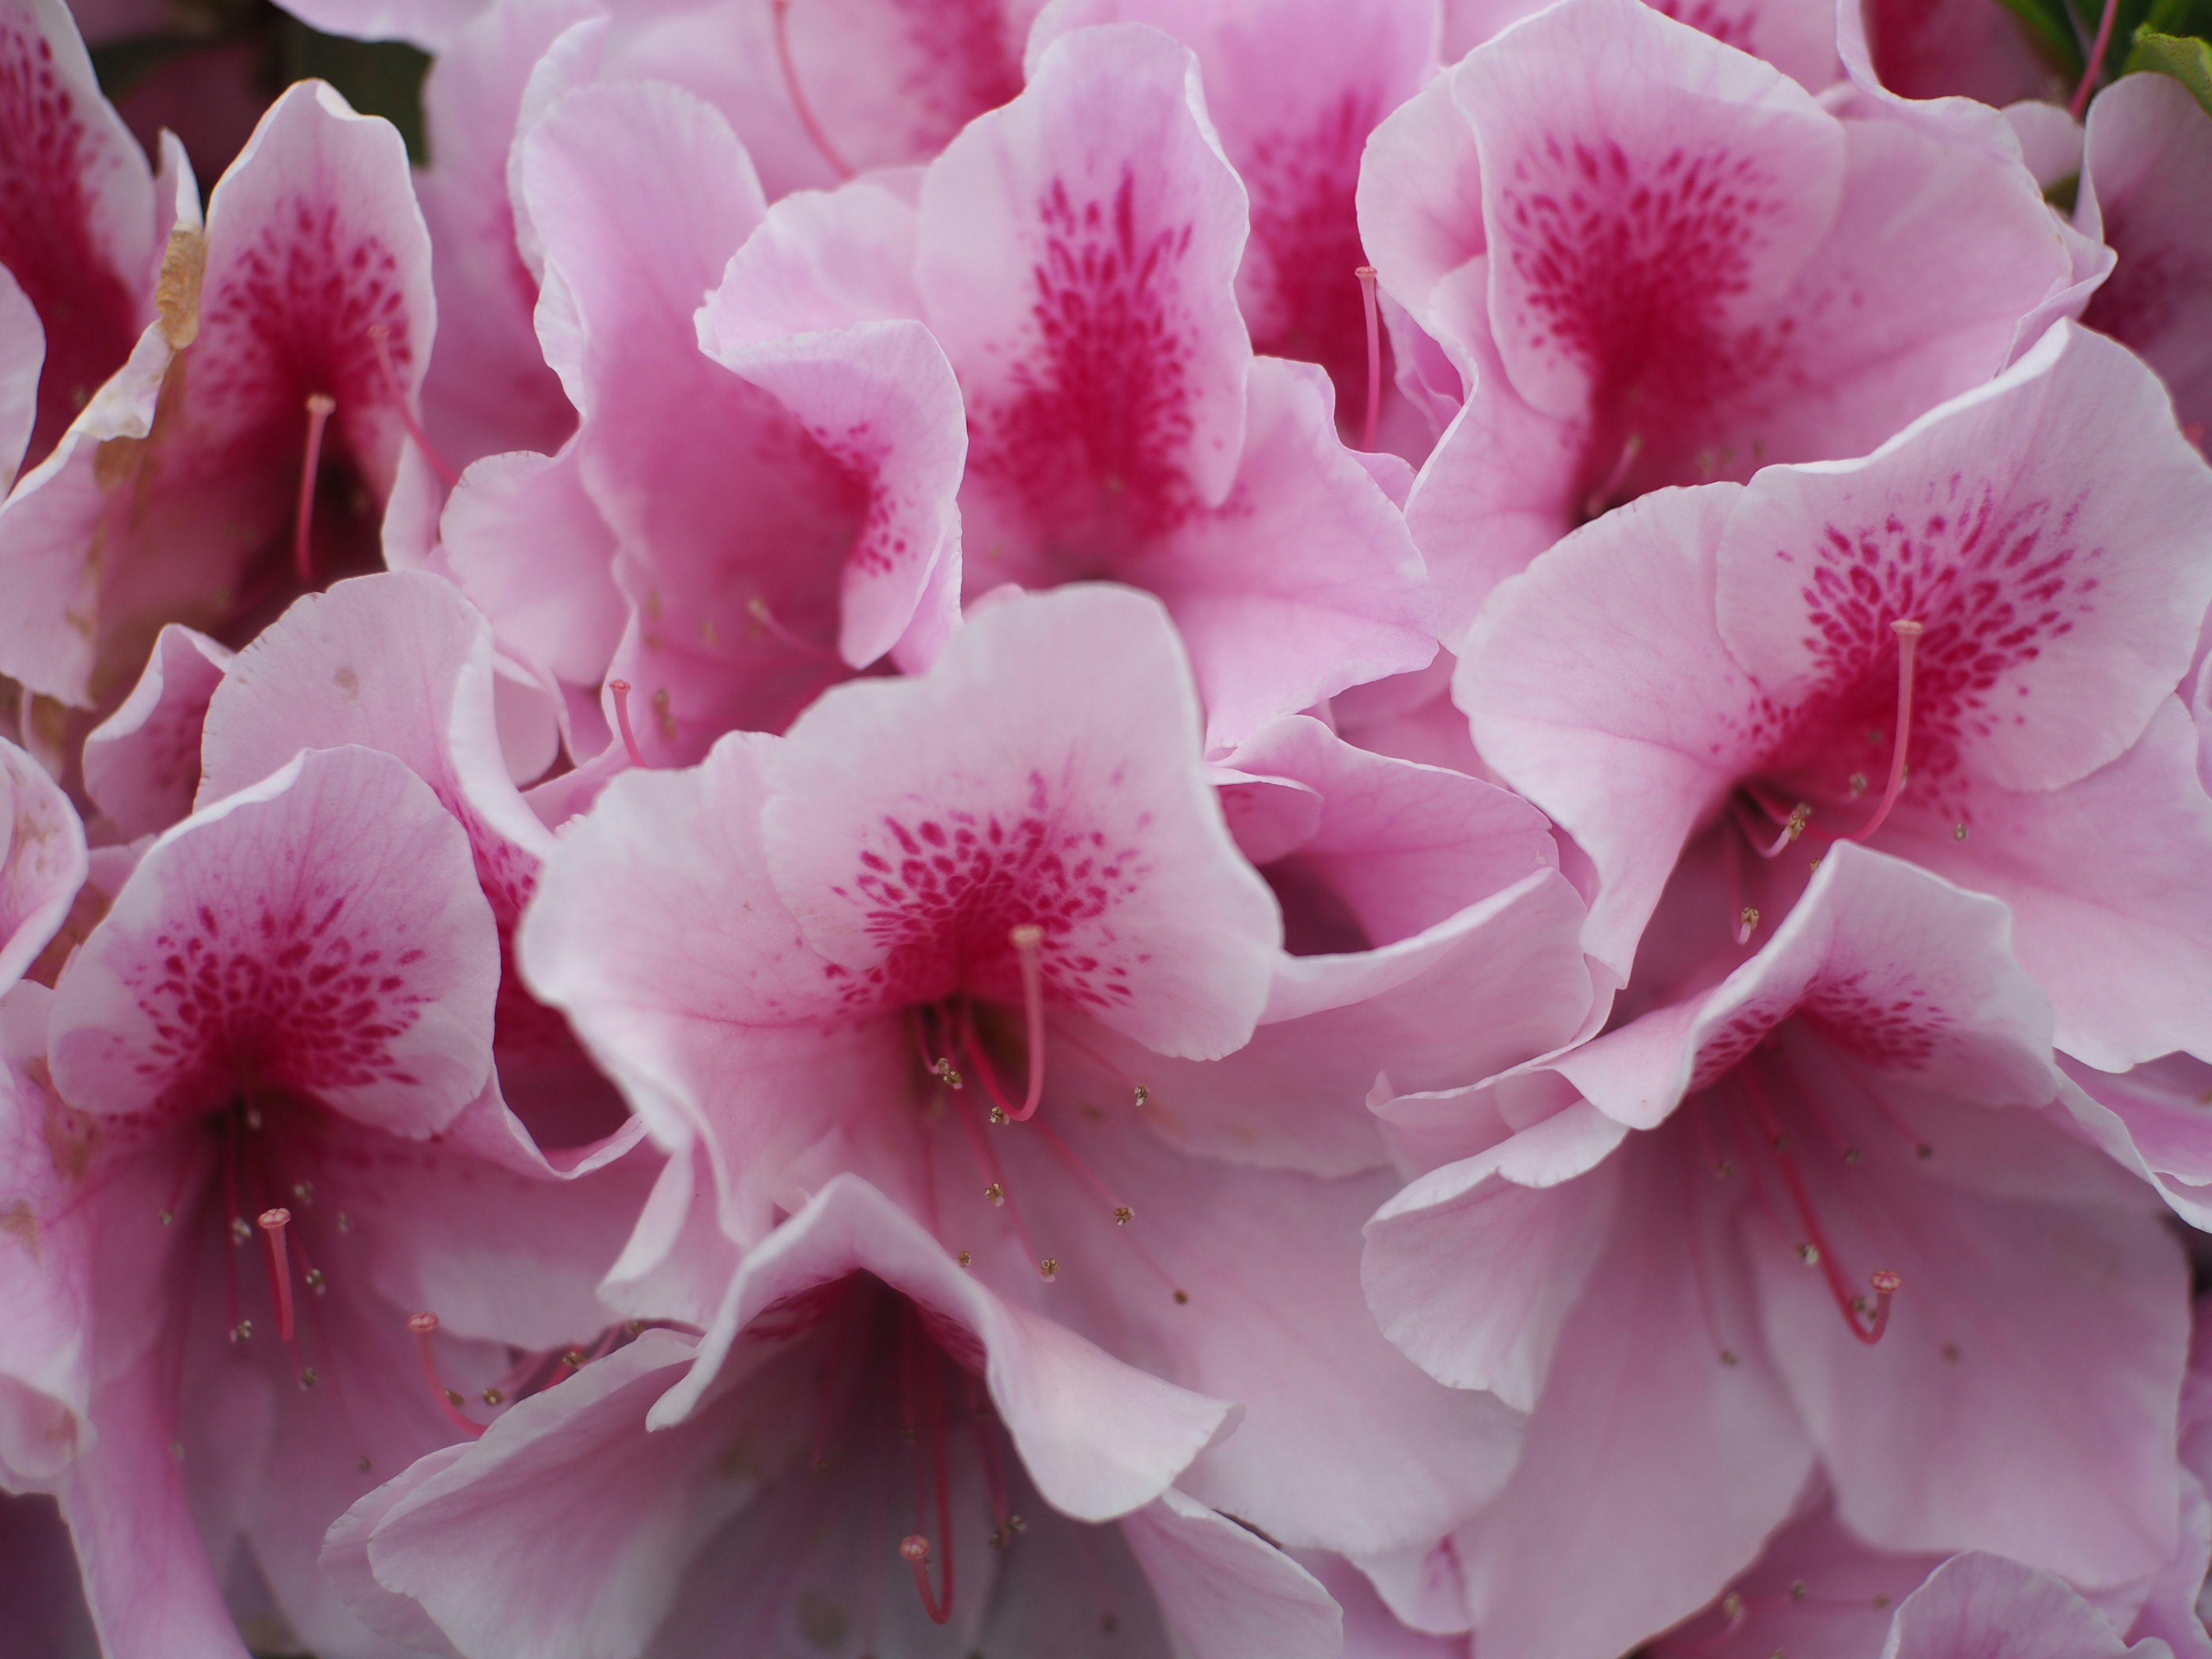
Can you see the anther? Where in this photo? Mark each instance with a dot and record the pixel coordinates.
(1797, 1590)
(1908, 634)
(239, 1232)
(1123, 1215)
(168, 1218)
(1028, 940)
(1366, 275)
(242, 1331)
(425, 1326)
(380, 336)
(799, 104)
(945, 1073)
(321, 407)
(1959, 831)
(1049, 1269)
(619, 690)
(253, 1119)
(1746, 923)
(1809, 1254)
(1923, 1151)
(913, 1546)
(273, 1223)
(963, 1258)
(1138, 1095)
(1728, 1357)
(345, 1222)
(493, 1397)
(316, 1282)
(573, 1360)
(306, 1377)
(996, 1193)
(304, 1192)
(1182, 1299)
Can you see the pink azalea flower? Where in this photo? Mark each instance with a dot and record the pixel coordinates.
(1076, 254)
(1011, 873)
(2146, 166)
(1656, 260)
(1964, 649)
(1293, 87)
(78, 237)
(761, 545)
(1798, 37)
(246, 450)
(401, 663)
(1827, 1215)
(868, 1452)
(246, 1137)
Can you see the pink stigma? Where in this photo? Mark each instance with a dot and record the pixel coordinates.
(321, 407)
(2096, 65)
(1366, 275)
(844, 168)
(273, 1223)
(1908, 638)
(380, 336)
(619, 690)
(1026, 940)
(425, 1326)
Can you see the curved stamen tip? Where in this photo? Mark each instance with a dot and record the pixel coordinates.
(423, 1323)
(1366, 274)
(425, 1326)
(272, 1220)
(914, 1547)
(1885, 1282)
(1028, 940)
(619, 690)
(1908, 632)
(273, 1223)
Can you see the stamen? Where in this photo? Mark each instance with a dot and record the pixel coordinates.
(758, 609)
(1026, 940)
(1746, 923)
(1599, 499)
(987, 1161)
(844, 170)
(425, 1326)
(925, 1367)
(1366, 275)
(379, 337)
(273, 1223)
(619, 690)
(1908, 634)
(321, 407)
(1817, 1252)
(2096, 64)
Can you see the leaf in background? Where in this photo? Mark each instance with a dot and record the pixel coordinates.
(2185, 57)
(2053, 29)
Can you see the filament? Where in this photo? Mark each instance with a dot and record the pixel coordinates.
(1908, 638)
(1366, 275)
(320, 406)
(619, 690)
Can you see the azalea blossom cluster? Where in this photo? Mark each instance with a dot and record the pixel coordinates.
(1244, 829)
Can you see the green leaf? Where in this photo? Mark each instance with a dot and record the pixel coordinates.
(2179, 17)
(2187, 58)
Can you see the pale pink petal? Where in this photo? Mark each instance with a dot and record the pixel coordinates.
(1983, 1606)
(1638, 700)
(1224, 1592)
(1304, 579)
(1065, 796)
(525, 542)
(1798, 37)
(23, 354)
(428, 24)
(2148, 163)
(42, 863)
(1420, 213)
(330, 938)
(1474, 1269)
(1639, 1412)
(142, 764)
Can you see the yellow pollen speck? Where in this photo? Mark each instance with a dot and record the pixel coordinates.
(1959, 832)
(241, 1331)
(997, 1116)
(1859, 784)
(455, 1396)
(573, 1360)
(493, 1397)
(1049, 1269)
(1809, 1254)
(995, 1193)
(1123, 1215)
(1142, 1095)
(316, 1282)
(963, 1258)
(1182, 1297)
(167, 1218)
(306, 1376)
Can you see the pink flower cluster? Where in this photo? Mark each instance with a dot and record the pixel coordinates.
(1245, 829)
